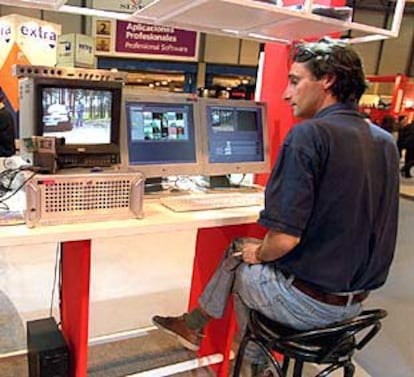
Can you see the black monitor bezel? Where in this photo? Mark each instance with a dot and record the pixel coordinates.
(114, 146)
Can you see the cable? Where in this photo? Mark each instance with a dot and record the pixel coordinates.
(60, 286)
(55, 277)
(241, 180)
(6, 180)
(4, 206)
(4, 198)
(11, 175)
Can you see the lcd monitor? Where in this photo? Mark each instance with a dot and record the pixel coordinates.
(234, 135)
(160, 134)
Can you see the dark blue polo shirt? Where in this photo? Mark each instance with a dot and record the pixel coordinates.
(336, 185)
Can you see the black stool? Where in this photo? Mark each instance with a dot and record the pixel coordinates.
(333, 345)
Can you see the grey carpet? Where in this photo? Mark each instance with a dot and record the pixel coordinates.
(12, 330)
(121, 358)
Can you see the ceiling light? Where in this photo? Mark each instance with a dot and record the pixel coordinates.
(92, 12)
(42, 4)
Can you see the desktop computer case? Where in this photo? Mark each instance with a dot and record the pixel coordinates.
(64, 199)
(48, 354)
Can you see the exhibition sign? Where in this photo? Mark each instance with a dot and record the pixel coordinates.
(24, 40)
(154, 39)
(127, 39)
(76, 50)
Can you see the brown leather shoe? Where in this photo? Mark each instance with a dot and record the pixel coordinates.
(176, 326)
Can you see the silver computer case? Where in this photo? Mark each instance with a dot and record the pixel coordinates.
(65, 199)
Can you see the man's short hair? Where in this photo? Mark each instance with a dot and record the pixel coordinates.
(334, 58)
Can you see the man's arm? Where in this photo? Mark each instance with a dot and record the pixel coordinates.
(275, 245)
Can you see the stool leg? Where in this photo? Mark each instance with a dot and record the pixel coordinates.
(269, 355)
(297, 370)
(285, 365)
(240, 355)
(349, 370)
(347, 366)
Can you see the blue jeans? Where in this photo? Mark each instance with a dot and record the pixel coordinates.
(264, 288)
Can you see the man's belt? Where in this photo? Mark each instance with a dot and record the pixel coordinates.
(342, 299)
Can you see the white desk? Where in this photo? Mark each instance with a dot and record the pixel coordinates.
(213, 230)
(157, 219)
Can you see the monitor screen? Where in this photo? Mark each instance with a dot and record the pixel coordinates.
(235, 136)
(161, 135)
(80, 115)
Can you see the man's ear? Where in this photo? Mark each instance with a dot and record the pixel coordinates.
(328, 81)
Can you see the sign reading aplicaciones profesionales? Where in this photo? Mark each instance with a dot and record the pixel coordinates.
(124, 38)
(154, 39)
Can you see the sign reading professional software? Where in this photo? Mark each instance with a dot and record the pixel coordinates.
(127, 39)
(140, 38)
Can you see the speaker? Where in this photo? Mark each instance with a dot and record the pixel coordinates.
(48, 354)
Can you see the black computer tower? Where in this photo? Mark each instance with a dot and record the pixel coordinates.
(48, 354)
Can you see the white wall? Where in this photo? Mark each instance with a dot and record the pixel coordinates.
(132, 279)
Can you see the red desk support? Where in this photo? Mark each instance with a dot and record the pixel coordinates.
(211, 243)
(76, 260)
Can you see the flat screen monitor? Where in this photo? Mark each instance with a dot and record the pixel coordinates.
(160, 133)
(234, 137)
(84, 114)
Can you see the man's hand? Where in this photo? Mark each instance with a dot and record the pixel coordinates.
(274, 246)
(250, 252)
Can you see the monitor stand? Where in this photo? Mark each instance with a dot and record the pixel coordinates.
(153, 185)
(219, 182)
(223, 183)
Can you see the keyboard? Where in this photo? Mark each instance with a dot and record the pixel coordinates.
(203, 202)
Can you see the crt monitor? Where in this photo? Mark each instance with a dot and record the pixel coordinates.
(84, 114)
(234, 137)
(160, 133)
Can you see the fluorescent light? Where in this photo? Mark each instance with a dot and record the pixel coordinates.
(94, 12)
(268, 38)
(42, 4)
(231, 31)
(366, 38)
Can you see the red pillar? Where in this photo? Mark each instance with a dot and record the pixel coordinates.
(75, 303)
(274, 80)
(279, 114)
(210, 246)
(398, 94)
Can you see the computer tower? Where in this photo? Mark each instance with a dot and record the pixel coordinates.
(53, 199)
(48, 354)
